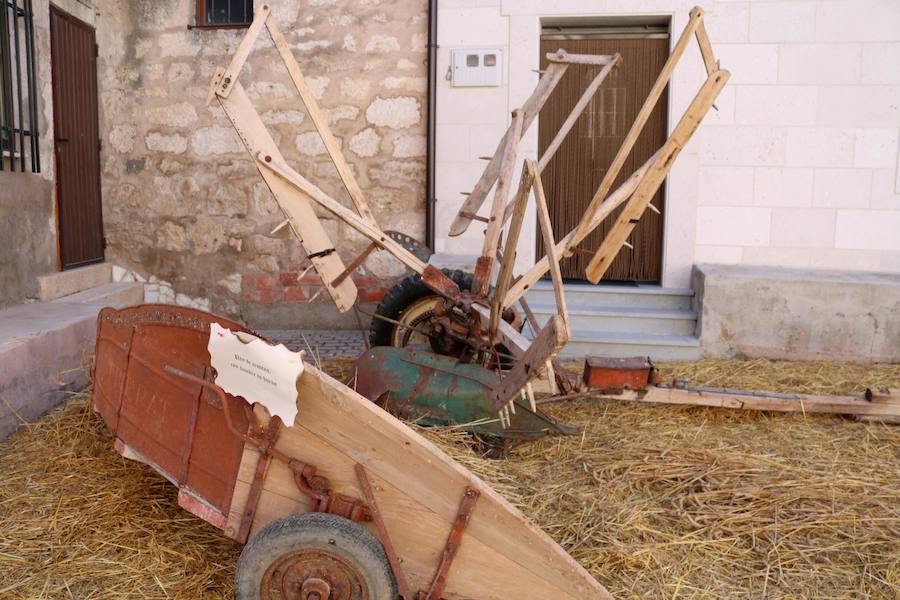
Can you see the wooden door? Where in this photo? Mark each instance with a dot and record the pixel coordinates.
(76, 141)
(572, 177)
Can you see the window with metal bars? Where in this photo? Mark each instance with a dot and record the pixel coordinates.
(18, 96)
(224, 13)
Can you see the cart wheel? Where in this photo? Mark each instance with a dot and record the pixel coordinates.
(314, 556)
(412, 303)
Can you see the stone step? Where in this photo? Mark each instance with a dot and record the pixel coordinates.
(654, 321)
(42, 347)
(66, 283)
(659, 348)
(117, 295)
(632, 296)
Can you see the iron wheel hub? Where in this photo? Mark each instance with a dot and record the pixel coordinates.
(300, 575)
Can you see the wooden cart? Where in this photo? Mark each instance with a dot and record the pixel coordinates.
(346, 502)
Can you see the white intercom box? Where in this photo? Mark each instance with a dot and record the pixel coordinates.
(476, 67)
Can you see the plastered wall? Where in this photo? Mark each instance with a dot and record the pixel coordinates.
(797, 168)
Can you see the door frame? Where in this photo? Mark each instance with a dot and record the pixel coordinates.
(59, 12)
(596, 26)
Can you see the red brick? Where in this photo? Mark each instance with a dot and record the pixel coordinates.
(362, 281)
(264, 289)
(372, 294)
(294, 294)
(288, 278)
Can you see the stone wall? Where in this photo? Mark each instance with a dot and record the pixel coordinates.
(184, 206)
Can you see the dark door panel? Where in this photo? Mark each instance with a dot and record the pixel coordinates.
(574, 174)
(77, 140)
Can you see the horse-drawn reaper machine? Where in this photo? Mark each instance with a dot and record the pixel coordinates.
(336, 498)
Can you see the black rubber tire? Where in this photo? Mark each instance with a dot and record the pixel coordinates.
(321, 531)
(404, 293)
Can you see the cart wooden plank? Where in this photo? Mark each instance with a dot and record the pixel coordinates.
(502, 556)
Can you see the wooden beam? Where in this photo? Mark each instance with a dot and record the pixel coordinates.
(524, 189)
(543, 212)
(484, 266)
(565, 246)
(509, 260)
(321, 123)
(576, 111)
(706, 51)
(304, 223)
(636, 206)
(883, 404)
(561, 56)
(230, 77)
(545, 347)
(278, 166)
(639, 122)
(526, 182)
(506, 334)
(529, 110)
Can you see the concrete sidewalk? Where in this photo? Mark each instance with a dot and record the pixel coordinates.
(42, 349)
(45, 347)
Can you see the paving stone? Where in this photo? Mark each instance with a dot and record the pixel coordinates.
(324, 343)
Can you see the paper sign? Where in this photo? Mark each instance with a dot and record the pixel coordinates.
(260, 372)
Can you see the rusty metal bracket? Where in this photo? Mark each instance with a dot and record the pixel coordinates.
(383, 535)
(454, 540)
(259, 476)
(354, 265)
(439, 283)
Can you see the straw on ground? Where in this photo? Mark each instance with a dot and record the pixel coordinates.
(655, 501)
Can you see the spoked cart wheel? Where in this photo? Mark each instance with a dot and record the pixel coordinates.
(411, 303)
(314, 556)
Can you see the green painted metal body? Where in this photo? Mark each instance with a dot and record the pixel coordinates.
(432, 389)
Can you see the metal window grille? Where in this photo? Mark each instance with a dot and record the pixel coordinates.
(217, 13)
(18, 96)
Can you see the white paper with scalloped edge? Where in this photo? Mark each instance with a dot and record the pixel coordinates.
(258, 371)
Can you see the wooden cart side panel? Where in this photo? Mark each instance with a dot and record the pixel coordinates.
(419, 488)
(159, 419)
(109, 375)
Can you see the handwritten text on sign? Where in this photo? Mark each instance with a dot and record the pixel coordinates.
(260, 372)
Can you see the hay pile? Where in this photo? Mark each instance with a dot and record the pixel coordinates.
(655, 501)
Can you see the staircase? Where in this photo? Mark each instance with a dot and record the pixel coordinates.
(623, 320)
(89, 285)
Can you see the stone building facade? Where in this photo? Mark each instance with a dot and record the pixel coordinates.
(184, 206)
